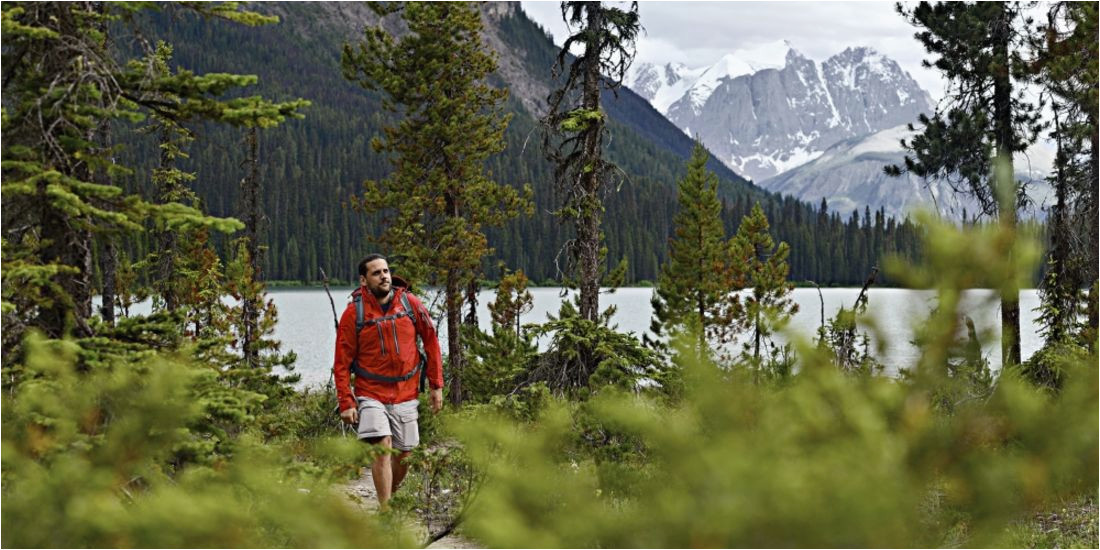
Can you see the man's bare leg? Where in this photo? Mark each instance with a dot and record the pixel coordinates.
(382, 471)
(400, 468)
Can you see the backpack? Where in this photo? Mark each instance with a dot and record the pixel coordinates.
(361, 322)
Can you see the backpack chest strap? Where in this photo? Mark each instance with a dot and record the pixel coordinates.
(360, 313)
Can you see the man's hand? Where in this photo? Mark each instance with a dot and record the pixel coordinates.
(436, 399)
(350, 416)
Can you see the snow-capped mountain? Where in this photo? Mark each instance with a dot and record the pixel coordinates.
(849, 176)
(767, 110)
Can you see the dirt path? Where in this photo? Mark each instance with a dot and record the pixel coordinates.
(362, 494)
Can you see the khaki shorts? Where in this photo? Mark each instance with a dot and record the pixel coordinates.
(397, 421)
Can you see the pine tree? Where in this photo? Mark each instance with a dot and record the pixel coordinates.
(58, 91)
(984, 121)
(769, 305)
(63, 87)
(179, 99)
(1065, 53)
(512, 301)
(439, 198)
(576, 128)
(499, 358)
(695, 286)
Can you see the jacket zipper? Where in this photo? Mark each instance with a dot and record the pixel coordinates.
(381, 338)
(396, 345)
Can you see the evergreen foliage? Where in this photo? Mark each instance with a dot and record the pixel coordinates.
(850, 348)
(312, 167)
(575, 129)
(135, 430)
(499, 359)
(178, 428)
(985, 119)
(439, 197)
(65, 90)
(768, 306)
(1065, 51)
(941, 458)
(135, 456)
(696, 287)
(584, 356)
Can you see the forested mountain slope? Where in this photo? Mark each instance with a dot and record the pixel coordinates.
(312, 167)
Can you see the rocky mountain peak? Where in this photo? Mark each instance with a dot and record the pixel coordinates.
(793, 55)
(767, 109)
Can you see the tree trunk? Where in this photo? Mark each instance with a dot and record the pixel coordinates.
(1002, 114)
(454, 334)
(166, 239)
(69, 247)
(588, 226)
(471, 301)
(108, 261)
(1065, 309)
(109, 265)
(253, 218)
(1092, 201)
(756, 335)
(250, 309)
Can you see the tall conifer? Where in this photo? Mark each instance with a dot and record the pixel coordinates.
(439, 197)
(983, 120)
(696, 283)
(1065, 67)
(576, 126)
(62, 87)
(770, 303)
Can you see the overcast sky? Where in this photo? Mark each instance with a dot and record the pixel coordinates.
(700, 33)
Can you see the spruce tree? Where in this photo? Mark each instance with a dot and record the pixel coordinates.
(1065, 67)
(769, 305)
(576, 128)
(62, 89)
(983, 120)
(696, 284)
(439, 198)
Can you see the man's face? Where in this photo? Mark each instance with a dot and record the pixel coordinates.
(377, 279)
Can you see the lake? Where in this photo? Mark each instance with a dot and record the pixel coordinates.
(305, 319)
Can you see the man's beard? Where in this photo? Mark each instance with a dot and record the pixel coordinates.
(379, 293)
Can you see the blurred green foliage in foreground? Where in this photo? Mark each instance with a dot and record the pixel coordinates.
(823, 458)
(106, 459)
(156, 450)
(828, 460)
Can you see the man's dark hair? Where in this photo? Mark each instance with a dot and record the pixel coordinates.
(370, 258)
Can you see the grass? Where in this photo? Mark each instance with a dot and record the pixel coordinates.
(1071, 523)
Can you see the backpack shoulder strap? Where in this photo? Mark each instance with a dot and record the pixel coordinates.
(360, 315)
(408, 307)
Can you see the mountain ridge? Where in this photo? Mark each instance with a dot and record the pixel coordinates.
(312, 167)
(764, 122)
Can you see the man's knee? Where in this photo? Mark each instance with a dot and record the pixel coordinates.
(386, 442)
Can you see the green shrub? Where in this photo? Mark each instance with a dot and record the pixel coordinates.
(827, 460)
(822, 460)
(122, 456)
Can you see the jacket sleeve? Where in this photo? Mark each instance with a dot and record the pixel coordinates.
(346, 348)
(426, 329)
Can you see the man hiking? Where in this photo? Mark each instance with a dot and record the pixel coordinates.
(376, 341)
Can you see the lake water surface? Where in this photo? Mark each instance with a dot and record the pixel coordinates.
(305, 319)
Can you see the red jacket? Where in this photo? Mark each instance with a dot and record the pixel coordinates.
(387, 348)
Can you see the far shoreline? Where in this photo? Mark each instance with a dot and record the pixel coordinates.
(490, 285)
